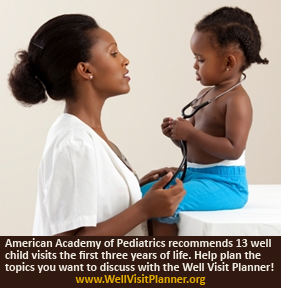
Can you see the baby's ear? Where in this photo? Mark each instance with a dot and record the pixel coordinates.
(230, 62)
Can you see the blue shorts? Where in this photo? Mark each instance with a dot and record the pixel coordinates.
(210, 189)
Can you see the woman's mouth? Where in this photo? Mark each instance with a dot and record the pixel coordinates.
(126, 76)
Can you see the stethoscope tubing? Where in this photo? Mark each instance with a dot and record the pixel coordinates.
(183, 165)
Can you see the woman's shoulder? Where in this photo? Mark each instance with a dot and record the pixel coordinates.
(69, 130)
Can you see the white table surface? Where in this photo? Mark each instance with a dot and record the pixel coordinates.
(261, 216)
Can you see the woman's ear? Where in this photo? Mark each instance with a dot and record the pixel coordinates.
(83, 69)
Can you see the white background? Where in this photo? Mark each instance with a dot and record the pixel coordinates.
(154, 35)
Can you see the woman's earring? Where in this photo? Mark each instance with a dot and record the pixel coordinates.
(227, 68)
(91, 77)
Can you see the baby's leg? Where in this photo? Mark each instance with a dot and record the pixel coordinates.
(163, 229)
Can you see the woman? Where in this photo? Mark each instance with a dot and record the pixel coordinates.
(86, 186)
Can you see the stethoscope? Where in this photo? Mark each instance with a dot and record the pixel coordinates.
(195, 108)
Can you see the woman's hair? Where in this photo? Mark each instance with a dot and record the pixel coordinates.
(227, 26)
(53, 53)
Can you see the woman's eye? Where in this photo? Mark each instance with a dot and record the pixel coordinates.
(114, 54)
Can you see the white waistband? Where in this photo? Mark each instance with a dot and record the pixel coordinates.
(239, 162)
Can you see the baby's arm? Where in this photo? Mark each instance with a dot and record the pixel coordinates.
(238, 121)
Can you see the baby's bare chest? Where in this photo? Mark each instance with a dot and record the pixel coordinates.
(211, 118)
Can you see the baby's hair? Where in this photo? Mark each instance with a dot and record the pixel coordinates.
(227, 26)
(54, 51)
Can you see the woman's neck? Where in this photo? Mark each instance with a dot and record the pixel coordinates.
(87, 110)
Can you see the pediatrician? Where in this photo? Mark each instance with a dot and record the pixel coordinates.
(85, 186)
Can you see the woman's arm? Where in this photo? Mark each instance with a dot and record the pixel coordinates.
(156, 203)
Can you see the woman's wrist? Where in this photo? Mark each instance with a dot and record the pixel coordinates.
(142, 210)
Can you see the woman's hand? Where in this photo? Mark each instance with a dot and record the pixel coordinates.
(156, 174)
(159, 202)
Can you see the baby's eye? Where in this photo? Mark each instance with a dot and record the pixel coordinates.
(199, 60)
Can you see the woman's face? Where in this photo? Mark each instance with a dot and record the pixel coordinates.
(108, 66)
(209, 65)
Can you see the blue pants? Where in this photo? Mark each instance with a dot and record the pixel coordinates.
(210, 189)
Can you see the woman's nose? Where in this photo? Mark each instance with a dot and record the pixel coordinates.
(126, 61)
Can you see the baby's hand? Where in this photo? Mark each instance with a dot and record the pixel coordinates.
(166, 126)
(180, 129)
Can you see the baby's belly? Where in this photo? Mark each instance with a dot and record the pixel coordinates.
(197, 155)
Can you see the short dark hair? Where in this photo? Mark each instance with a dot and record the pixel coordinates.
(53, 53)
(229, 25)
